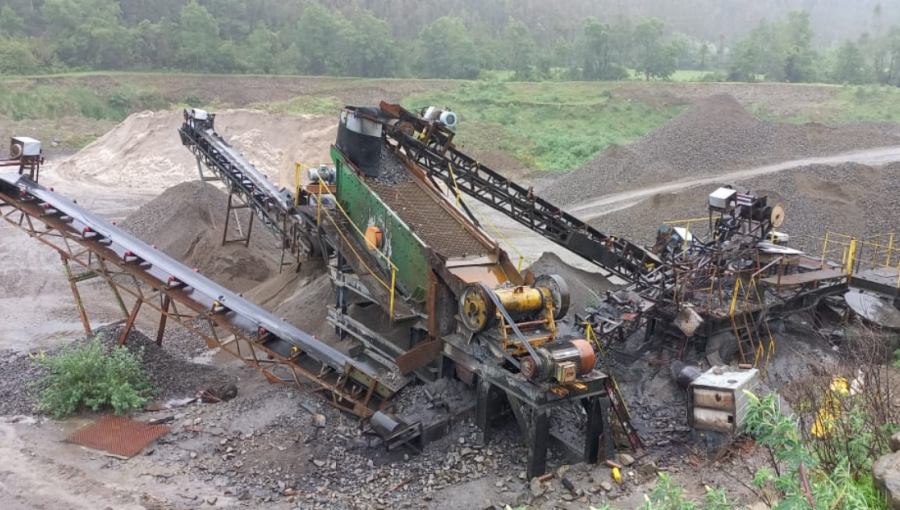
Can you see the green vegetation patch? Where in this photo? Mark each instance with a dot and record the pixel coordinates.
(94, 377)
(547, 126)
(57, 100)
(868, 102)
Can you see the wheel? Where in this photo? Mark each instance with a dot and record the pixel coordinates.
(476, 309)
(559, 293)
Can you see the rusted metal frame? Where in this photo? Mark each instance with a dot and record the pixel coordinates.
(74, 286)
(112, 286)
(130, 322)
(162, 319)
(337, 388)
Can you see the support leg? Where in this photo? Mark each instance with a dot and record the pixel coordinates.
(249, 229)
(162, 320)
(119, 301)
(484, 411)
(81, 311)
(538, 441)
(130, 322)
(535, 425)
(200, 171)
(227, 219)
(599, 440)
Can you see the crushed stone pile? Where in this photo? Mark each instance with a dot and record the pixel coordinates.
(849, 198)
(186, 222)
(713, 136)
(145, 151)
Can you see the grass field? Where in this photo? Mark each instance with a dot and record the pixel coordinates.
(545, 125)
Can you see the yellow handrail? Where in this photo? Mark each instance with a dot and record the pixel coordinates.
(393, 285)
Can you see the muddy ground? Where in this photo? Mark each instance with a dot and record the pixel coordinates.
(261, 448)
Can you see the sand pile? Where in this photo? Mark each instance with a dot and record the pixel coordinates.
(302, 299)
(849, 198)
(145, 150)
(186, 222)
(715, 135)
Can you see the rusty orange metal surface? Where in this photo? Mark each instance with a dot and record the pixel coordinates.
(118, 435)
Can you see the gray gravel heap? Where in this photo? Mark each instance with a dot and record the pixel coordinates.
(849, 198)
(715, 135)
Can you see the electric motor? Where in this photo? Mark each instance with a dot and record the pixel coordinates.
(563, 362)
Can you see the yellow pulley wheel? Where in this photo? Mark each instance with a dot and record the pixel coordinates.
(476, 309)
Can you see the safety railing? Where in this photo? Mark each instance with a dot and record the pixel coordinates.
(853, 254)
(748, 295)
(392, 287)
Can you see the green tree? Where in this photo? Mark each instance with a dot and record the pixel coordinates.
(87, 33)
(447, 50)
(260, 50)
(154, 47)
(703, 56)
(653, 59)
(800, 60)
(198, 35)
(318, 37)
(521, 48)
(849, 66)
(11, 23)
(599, 52)
(16, 57)
(563, 58)
(368, 47)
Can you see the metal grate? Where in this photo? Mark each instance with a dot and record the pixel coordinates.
(118, 435)
(432, 223)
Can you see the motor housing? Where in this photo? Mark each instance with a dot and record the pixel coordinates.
(563, 362)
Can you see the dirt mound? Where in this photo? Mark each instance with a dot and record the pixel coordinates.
(145, 150)
(715, 135)
(849, 198)
(585, 288)
(186, 222)
(302, 298)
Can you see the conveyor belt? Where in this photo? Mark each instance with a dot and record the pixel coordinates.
(274, 207)
(98, 238)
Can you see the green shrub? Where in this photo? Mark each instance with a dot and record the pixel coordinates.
(92, 376)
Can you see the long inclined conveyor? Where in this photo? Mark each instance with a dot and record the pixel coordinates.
(273, 206)
(224, 319)
(647, 277)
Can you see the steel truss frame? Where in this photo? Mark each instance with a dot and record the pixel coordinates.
(350, 388)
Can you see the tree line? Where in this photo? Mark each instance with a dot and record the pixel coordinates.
(319, 37)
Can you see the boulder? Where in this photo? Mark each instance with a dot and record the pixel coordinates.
(886, 475)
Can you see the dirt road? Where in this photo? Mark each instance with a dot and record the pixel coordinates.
(618, 201)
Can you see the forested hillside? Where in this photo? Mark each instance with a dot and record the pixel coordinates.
(739, 40)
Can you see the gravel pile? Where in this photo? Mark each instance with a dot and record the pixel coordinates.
(186, 222)
(391, 170)
(849, 198)
(16, 391)
(715, 135)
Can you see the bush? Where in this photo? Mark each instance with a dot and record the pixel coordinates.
(92, 376)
